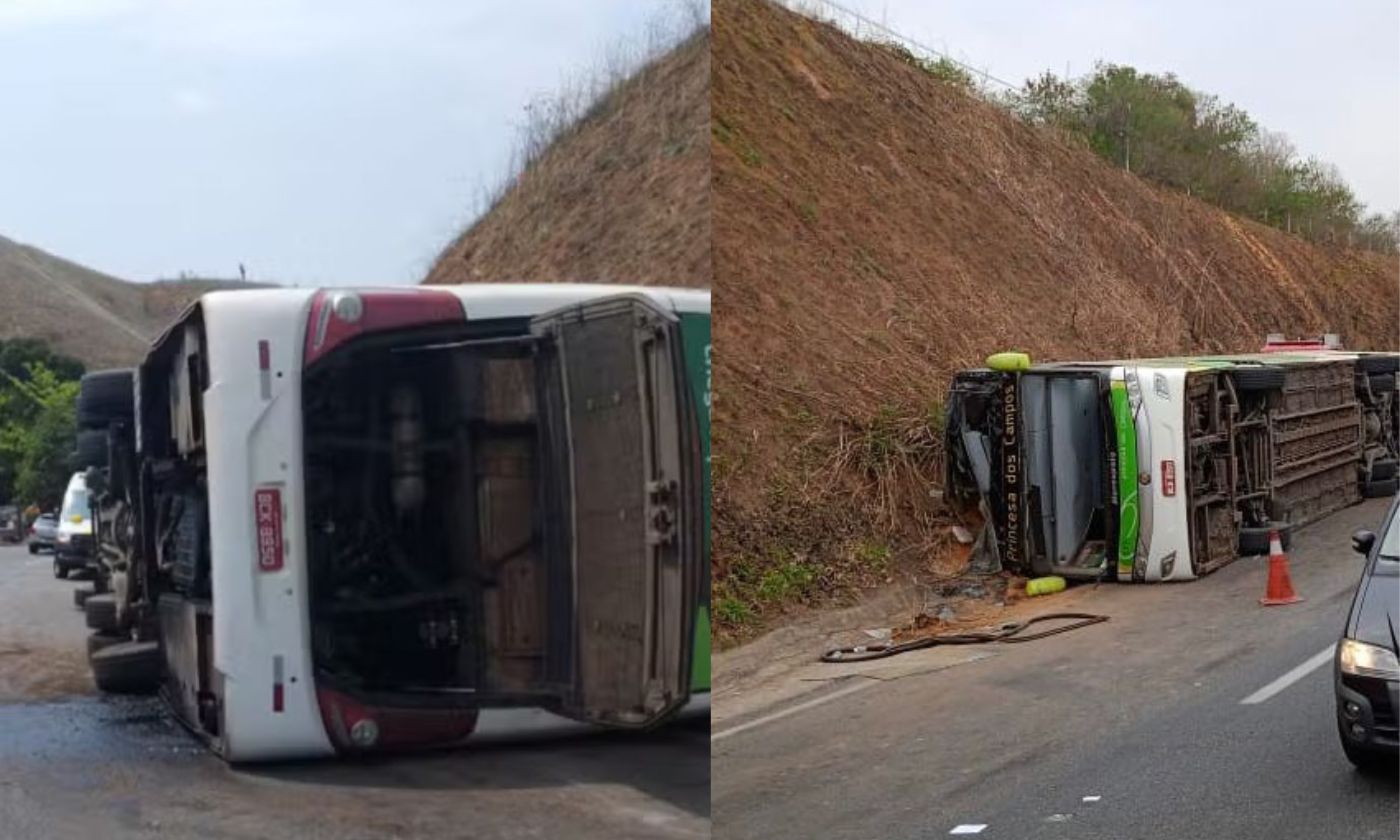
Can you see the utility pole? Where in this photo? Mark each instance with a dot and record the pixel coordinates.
(1128, 140)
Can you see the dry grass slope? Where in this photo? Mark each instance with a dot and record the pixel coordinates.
(621, 197)
(96, 318)
(876, 229)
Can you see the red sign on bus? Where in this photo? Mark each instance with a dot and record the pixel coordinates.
(267, 511)
(1168, 478)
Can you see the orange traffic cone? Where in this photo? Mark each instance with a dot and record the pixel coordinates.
(1280, 589)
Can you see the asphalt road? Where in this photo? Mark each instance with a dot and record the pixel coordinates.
(77, 765)
(1143, 712)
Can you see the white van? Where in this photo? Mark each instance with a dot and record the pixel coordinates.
(355, 520)
(73, 540)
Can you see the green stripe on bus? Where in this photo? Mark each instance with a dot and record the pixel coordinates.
(1126, 437)
(695, 341)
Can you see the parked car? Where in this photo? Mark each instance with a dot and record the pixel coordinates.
(73, 537)
(1368, 658)
(11, 524)
(43, 533)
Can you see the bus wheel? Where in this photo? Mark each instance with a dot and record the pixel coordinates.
(101, 612)
(1380, 489)
(100, 641)
(1256, 540)
(81, 594)
(127, 667)
(1261, 378)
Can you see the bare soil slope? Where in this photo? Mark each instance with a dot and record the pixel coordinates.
(622, 197)
(93, 317)
(876, 229)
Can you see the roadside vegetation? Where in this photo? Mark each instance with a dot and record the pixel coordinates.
(38, 395)
(1161, 129)
(1156, 126)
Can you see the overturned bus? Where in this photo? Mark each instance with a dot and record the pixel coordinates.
(349, 521)
(1163, 469)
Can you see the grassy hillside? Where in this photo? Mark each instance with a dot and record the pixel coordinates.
(623, 196)
(876, 229)
(96, 318)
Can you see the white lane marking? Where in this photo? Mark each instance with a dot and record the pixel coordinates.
(971, 828)
(1092, 798)
(792, 710)
(1312, 664)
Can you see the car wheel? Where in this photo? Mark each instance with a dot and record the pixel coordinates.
(80, 596)
(1383, 468)
(1256, 540)
(1261, 378)
(1367, 762)
(1380, 489)
(33, 549)
(128, 667)
(100, 612)
(58, 570)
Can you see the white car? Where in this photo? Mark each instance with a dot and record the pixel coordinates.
(354, 520)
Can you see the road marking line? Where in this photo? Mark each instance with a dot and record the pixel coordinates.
(792, 710)
(969, 828)
(1312, 664)
(1092, 798)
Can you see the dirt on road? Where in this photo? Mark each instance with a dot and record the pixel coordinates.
(77, 764)
(41, 632)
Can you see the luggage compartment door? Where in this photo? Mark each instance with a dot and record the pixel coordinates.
(613, 399)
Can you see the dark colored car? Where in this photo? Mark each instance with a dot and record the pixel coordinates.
(1368, 657)
(43, 533)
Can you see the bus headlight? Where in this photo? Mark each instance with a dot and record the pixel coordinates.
(348, 307)
(365, 733)
(1363, 660)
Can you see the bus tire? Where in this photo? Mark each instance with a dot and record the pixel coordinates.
(1383, 469)
(100, 611)
(1380, 489)
(81, 594)
(1256, 540)
(1261, 378)
(128, 667)
(92, 448)
(98, 641)
(104, 396)
(1378, 363)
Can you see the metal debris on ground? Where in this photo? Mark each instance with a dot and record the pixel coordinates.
(1008, 632)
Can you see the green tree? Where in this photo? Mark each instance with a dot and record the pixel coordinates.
(18, 353)
(37, 430)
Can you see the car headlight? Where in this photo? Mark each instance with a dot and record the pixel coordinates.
(1363, 660)
(65, 538)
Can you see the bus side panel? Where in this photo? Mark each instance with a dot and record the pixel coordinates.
(695, 341)
(1167, 542)
(253, 434)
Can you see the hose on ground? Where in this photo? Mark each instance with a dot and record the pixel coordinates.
(1009, 632)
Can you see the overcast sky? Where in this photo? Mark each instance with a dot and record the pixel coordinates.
(317, 141)
(1327, 74)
